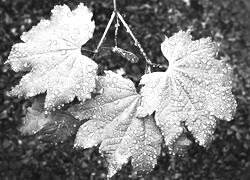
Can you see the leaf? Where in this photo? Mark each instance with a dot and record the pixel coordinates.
(34, 121)
(59, 128)
(181, 145)
(51, 53)
(195, 90)
(55, 127)
(35, 118)
(126, 54)
(113, 124)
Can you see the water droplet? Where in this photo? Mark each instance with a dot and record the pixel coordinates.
(49, 42)
(78, 86)
(69, 14)
(76, 30)
(69, 44)
(117, 102)
(90, 74)
(118, 90)
(66, 27)
(90, 68)
(115, 79)
(25, 65)
(108, 75)
(86, 27)
(74, 37)
(63, 52)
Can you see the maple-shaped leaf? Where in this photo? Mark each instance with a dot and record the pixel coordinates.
(51, 53)
(195, 90)
(113, 124)
(54, 127)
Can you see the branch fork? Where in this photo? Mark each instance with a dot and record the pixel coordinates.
(119, 18)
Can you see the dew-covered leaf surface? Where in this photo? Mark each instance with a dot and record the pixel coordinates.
(51, 54)
(195, 90)
(113, 124)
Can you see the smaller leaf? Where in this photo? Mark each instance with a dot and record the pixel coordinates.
(34, 121)
(56, 127)
(131, 57)
(61, 126)
(35, 118)
(180, 146)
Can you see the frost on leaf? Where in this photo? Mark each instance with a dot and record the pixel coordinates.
(195, 90)
(113, 124)
(55, 127)
(51, 53)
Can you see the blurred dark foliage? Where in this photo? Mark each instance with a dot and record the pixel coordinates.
(226, 21)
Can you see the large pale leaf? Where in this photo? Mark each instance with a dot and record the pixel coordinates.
(195, 90)
(51, 53)
(113, 124)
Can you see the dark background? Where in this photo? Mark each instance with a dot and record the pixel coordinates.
(227, 21)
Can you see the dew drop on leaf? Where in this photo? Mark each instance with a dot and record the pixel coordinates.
(113, 124)
(196, 89)
(53, 59)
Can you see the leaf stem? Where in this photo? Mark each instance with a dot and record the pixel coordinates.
(148, 61)
(134, 38)
(114, 3)
(83, 49)
(119, 17)
(116, 29)
(105, 32)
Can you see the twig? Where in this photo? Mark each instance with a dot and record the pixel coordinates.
(114, 3)
(117, 22)
(134, 38)
(105, 32)
(116, 29)
(148, 61)
(119, 17)
(83, 49)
